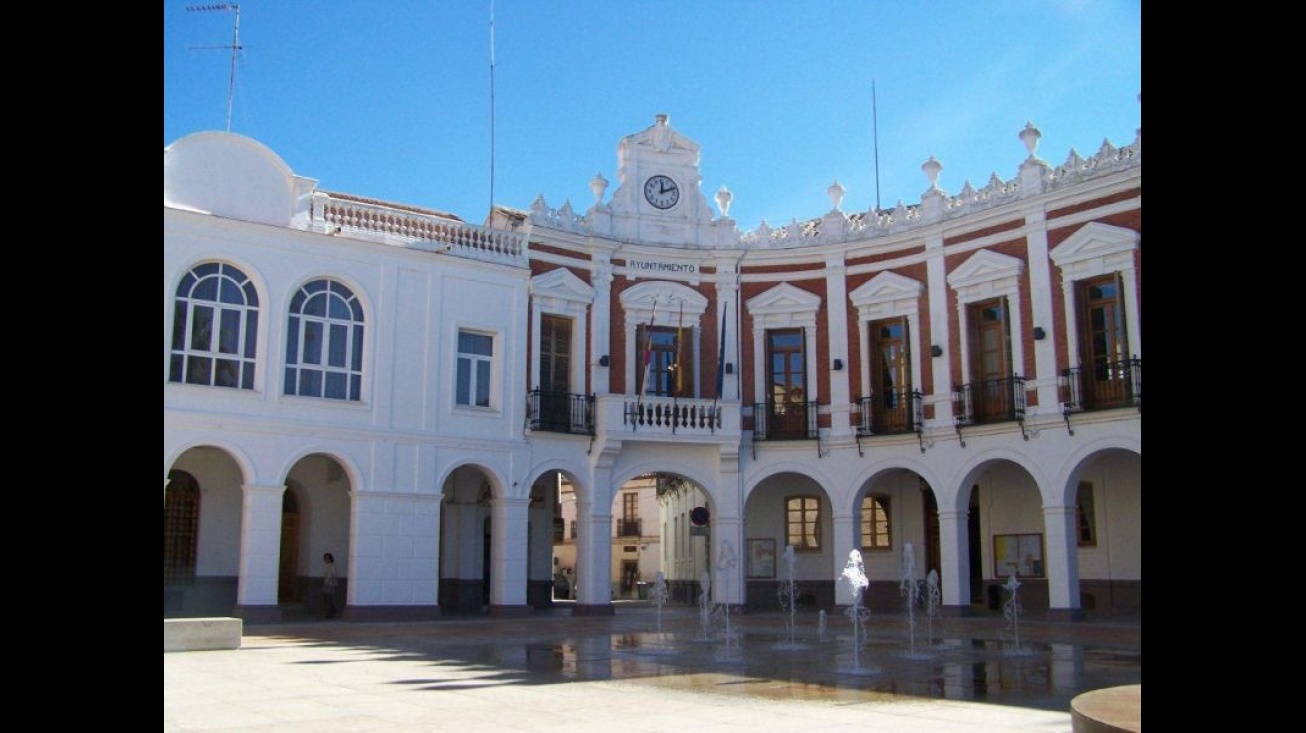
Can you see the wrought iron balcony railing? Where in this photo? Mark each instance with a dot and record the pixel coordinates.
(560, 412)
(628, 528)
(990, 401)
(889, 413)
(785, 421)
(1102, 386)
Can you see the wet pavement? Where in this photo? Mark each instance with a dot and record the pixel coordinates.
(645, 670)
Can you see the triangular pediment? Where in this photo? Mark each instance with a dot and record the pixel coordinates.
(784, 298)
(885, 288)
(562, 284)
(1094, 240)
(985, 266)
(660, 300)
(659, 137)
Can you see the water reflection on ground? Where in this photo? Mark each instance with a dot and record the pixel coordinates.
(967, 659)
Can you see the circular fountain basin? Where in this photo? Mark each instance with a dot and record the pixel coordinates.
(1109, 710)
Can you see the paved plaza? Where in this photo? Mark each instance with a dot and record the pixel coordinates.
(650, 670)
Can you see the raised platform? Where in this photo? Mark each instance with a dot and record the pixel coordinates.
(1109, 710)
(200, 634)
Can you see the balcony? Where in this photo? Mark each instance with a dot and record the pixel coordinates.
(894, 412)
(560, 412)
(1104, 386)
(990, 401)
(673, 416)
(628, 528)
(785, 421)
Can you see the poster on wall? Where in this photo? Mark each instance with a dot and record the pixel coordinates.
(761, 558)
(1018, 554)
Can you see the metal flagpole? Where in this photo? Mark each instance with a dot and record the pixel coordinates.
(720, 366)
(648, 363)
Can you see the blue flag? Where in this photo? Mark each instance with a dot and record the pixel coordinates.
(721, 354)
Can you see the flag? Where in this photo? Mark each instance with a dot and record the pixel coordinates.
(648, 349)
(680, 363)
(721, 353)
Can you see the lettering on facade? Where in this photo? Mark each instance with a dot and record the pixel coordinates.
(635, 268)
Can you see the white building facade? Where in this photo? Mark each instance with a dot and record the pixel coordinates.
(403, 389)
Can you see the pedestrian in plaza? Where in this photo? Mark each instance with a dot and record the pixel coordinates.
(329, 583)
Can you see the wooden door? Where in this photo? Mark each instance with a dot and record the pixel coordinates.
(288, 570)
(787, 384)
(1103, 344)
(992, 386)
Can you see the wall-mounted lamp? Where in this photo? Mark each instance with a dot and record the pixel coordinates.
(936, 350)
(730, 368)
(1039, 333)
(838, 365)
(603, 360)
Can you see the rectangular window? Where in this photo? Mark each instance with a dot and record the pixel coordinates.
(629, 524)
(1085, 515)
(991, 374)
(555, 354)
(803, 522)
(666, 361)
(875, 524)
(891, 377)
(788, 415)
(475, 357)
(1107, 378)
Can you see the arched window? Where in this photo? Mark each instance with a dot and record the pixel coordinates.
(324, 342)
(214, 328)
(181, 516)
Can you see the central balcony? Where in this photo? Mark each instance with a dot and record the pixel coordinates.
(626, 417)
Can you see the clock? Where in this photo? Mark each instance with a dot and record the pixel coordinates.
(661, 191)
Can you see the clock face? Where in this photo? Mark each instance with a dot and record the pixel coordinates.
(661, 191)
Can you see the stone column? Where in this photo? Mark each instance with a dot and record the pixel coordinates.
(836, 313)
(594, 549)
(508, 555)
(954, 561)
(260, 553)
(727, 298)
(1040, 289)
(728, 583)
(1061, 565)
(940, 391)
(845, 541)
(601, 322)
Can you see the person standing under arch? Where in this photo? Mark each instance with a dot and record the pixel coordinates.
(329, 583)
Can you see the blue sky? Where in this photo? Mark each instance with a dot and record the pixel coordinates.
(390, 99)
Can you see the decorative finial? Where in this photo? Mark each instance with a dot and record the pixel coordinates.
(835, 192)
(932, 168)
(1030, 136)
(598, 184)
(723, 199)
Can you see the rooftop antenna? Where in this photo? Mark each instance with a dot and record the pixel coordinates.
(491, 107)
(234, 46)
(875, 135)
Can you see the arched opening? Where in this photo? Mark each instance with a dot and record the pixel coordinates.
(202, 518)
(789, 509)
(466, 534)
(1107, 497)
(315, 519)
(181, 518)
(1007, 537)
